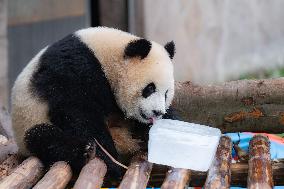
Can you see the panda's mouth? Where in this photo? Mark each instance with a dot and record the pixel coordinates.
(148, 119)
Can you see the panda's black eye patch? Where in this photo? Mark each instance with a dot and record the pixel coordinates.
(148, 90)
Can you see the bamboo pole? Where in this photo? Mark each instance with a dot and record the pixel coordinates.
(92, 175)
(24, 176)
(138, 173)
(56, 178)
(260, 169)
(219, 174)
(176, 179)
(9, 165)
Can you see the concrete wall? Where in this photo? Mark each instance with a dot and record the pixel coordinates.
(3, 53)
(35, 24)
(218, 40)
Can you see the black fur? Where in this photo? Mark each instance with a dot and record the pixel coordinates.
(171, 49)
(139, 47)
(70, 79)
(52, 144)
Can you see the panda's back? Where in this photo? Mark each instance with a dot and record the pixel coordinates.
(27, 110)
(65, 74)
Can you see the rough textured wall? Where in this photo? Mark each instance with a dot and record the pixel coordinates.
(35, 24)
(218, 40)
(3, 53)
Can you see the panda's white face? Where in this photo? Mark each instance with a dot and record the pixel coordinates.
(146, 87)
(154, 102)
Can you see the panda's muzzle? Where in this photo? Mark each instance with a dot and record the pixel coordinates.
(156, 114)
(143, 115)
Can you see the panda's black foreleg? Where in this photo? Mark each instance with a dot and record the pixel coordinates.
(51, 144)
(96, 129)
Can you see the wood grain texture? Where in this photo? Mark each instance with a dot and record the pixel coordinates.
(56, 178)
(24, 176)
(236, 106)
(138, 173)
(8, 165)
(219, 174)
(239, 174)
(176, 179)
(260, 169)
(92, 175)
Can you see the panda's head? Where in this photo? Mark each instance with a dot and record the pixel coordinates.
(145, 88)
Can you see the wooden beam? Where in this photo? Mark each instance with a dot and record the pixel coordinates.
(219, 174)
(176, 179)
(24, 176)
(236, 106)
(138, 173)
(92, 175)
(239, 174)
(260, 169)
(56, 178)
(8, 165)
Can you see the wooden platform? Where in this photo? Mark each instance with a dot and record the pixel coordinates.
(258, 172)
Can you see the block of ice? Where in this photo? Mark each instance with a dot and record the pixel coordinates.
(182, 145)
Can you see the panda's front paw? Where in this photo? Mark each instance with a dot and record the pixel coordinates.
(90, 151)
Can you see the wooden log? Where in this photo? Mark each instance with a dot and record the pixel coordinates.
(219, 174)
(24, 176)
(245, 105)
(260, 169)
(56, 178)
(176, 179)
(9, 165)
(239, 174)
(138, 173)
(92, 175)
(278, 172)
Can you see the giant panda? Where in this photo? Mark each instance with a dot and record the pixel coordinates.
(62, 99)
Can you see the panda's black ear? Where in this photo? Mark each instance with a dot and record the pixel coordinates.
(171, 49)
(139, 47)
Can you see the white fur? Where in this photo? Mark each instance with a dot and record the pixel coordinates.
(27, 110)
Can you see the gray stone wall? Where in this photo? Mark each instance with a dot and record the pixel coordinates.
(218, 40)
(35, 24)
(3, 53)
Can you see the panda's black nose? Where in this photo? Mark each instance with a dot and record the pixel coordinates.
(157, 113)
